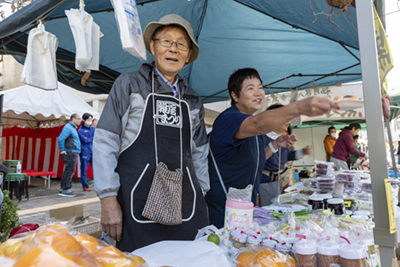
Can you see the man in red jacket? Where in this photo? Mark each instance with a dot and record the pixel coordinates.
(344, 146)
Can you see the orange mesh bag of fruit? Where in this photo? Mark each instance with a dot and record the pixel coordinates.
(90, 243)
(263, 257)
(112, 257)
(12, 246)
(54, 246)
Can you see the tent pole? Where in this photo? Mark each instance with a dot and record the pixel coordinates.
(389, 133)
(373, 113)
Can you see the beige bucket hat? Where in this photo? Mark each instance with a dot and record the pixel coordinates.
(172, 19)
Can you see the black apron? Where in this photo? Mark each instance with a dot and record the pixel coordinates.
(136, 168)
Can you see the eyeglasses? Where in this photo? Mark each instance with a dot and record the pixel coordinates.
(168, 43)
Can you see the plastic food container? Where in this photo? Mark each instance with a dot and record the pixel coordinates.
(336, 205)
(326, 180)
(325, 197)
(315, 203)
(324, 165)
(366, 186)
(324, 172)
(347, 177)
(306, 253)
(328, 254)
(352, 256)
(348, 184)
(238, 214)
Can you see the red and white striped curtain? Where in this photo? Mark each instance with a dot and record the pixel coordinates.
(36, 148)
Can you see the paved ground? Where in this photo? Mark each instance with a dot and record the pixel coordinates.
(42, 199)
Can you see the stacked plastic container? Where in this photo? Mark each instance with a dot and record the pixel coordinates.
(325, 176)
(350, 180)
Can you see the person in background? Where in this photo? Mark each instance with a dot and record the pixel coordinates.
(289, 164)
(69, 146)
(329, 142)
(275, 166)
(237, 148)
(344, 146)
(86, 133)
(398, 152)
(353, 158)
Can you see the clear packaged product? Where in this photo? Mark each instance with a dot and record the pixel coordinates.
(338, 190)
(349, 203)
(269, 243)
(313, 182)
(253, 240)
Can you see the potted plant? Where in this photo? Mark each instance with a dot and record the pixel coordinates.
(9, 216)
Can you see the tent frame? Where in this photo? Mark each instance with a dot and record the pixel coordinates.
(373, 112)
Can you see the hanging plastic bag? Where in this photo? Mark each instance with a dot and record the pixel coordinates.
(87, 38)
(129, 27)
(40, 62)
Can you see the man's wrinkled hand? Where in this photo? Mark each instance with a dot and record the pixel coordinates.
(111, 217)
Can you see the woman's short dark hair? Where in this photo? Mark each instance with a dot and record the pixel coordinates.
(354, 125)
(236, 81)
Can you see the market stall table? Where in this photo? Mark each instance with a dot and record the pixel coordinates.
(43, 175)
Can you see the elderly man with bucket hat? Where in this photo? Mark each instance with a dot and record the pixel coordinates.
(150, 147)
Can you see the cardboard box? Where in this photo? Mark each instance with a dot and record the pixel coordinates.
(64, 214)
(90, 226)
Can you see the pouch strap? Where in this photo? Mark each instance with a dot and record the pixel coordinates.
(219, 174)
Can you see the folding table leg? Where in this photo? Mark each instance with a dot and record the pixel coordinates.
(11, 188)
(19, 196)
(16, 189)
(27, 193)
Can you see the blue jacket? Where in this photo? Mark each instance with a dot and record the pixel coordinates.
(69, 139)
(86, 136)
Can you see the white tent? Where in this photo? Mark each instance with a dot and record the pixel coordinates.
(31, 106)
